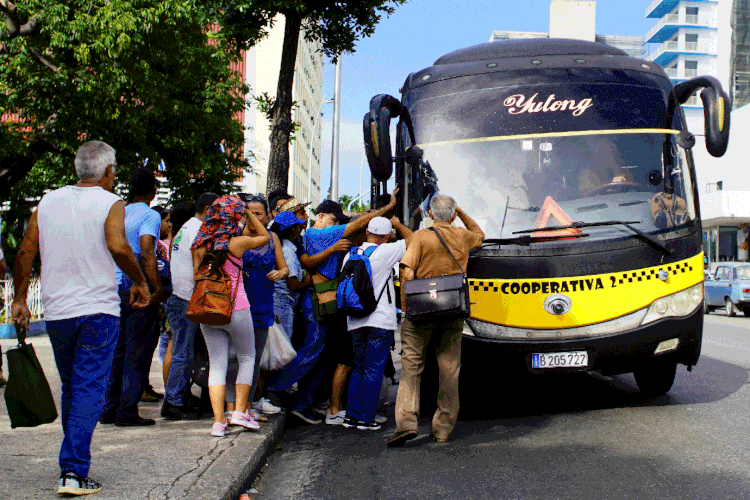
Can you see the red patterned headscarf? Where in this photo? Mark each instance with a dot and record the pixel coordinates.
(222, 222)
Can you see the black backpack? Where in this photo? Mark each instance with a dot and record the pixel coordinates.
(355, 296)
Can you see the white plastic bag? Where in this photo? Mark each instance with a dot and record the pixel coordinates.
(279, 351)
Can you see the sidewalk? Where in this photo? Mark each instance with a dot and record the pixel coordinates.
(170, 460)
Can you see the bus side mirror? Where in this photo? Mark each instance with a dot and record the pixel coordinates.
(716, 110)
(376, 128)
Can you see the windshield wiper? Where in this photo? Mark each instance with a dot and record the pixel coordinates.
(577, 225)
(525, 240)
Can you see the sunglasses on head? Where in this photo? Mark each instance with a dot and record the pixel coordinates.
(255, 197)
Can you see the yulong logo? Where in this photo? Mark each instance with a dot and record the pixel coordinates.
(519, 104)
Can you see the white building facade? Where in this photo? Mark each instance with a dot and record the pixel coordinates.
(262, 72)
(575, 19)
(685, 42)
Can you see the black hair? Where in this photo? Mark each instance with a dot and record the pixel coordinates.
(276, 195)
(283, 235)
(205, 201)
(163, 212)
(142, 183)
(181, 213)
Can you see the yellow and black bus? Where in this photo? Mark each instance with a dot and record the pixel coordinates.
(576, 160)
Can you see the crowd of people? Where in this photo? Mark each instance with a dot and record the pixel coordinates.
(117, 281)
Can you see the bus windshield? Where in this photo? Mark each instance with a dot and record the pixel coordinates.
(510, 184)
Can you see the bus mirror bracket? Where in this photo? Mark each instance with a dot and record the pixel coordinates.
(413, 155)
(377, 134)
(716, 110)
(686, 140)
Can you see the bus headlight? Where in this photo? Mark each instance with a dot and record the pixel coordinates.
(678, 304)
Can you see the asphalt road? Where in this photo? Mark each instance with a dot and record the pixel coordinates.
(582, 436)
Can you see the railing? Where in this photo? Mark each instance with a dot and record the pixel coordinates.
(691, 73)
(691, 19)
(672, 45)
(671, 72)
(672, 18)
(692, 101)
(691, 45)
(34, 298)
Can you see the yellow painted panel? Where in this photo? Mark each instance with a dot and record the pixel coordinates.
(596, 298)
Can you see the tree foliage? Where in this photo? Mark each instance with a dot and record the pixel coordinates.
(149, 77)
(336, 25)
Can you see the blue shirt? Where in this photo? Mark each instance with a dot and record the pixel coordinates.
(140, 220)
(318, 240)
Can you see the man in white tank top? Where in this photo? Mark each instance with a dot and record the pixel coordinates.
(79, 232)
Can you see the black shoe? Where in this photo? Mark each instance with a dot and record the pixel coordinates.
(401, 437)
(150, 395)
(353, 423)
(136, 421)
(171, 412)
(307, 416)
(73, 484)
(107, 419)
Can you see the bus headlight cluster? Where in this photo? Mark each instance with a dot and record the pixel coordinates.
(678, 304)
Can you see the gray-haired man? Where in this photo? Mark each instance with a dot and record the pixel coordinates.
(79, 232)
(427, 258)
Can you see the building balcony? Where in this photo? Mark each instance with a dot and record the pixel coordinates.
(670, 24)
(681, 73)
(672, 49)
(659, 8)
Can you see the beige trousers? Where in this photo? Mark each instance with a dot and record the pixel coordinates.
(414, 342)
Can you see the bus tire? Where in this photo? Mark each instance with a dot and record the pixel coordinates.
(655, 380)
(730, 308)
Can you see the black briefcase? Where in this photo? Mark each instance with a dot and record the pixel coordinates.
(439, 299)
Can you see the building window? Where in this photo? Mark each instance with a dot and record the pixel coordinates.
(691, 42)
(691, 15)
(691, 69)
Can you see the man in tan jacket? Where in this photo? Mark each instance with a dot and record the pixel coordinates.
(427, 258)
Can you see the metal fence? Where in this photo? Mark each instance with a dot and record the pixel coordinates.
(34, 298)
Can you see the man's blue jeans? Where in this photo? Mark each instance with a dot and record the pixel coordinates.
(309, 367)
(371, 350)
(139, 334)
(83, 350)
(183, 339)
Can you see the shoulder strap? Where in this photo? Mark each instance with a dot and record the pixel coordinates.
(385, 287)
(368, 251)
(447, 249)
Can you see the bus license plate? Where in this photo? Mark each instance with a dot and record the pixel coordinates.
(574, 359)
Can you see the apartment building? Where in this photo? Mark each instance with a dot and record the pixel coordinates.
(739, 72)
(684, 41)
(262, 64)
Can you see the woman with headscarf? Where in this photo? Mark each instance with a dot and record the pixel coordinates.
(221, 236)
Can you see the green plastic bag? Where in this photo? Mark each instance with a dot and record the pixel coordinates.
(27, 393)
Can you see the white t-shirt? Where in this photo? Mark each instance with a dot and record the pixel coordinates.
(181, 263)
(382, 261)
(78, 271)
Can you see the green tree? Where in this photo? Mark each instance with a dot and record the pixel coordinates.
(358, 206)
(149, 77)
(336, 25)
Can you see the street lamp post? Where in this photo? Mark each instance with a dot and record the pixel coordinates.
(312, 146)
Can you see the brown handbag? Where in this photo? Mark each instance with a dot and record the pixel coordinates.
(212, 301)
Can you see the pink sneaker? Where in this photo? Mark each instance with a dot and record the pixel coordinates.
(244, 420)
(219, 429)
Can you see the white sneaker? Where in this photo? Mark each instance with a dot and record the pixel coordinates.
(336, 418)
(265, 406)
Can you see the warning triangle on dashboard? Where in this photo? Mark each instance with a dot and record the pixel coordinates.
(552, 209)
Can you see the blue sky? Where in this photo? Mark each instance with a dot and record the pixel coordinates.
(417, 34)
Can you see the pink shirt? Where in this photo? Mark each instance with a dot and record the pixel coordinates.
(234, 271)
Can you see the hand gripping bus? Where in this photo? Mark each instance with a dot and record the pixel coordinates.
(576, 161)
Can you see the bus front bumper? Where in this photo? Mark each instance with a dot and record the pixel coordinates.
(609, 354)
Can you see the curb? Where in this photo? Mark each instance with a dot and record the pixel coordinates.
(235, 461)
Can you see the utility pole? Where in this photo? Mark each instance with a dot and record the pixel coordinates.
(336, 123)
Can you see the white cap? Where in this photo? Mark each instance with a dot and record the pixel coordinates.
(380, 226)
